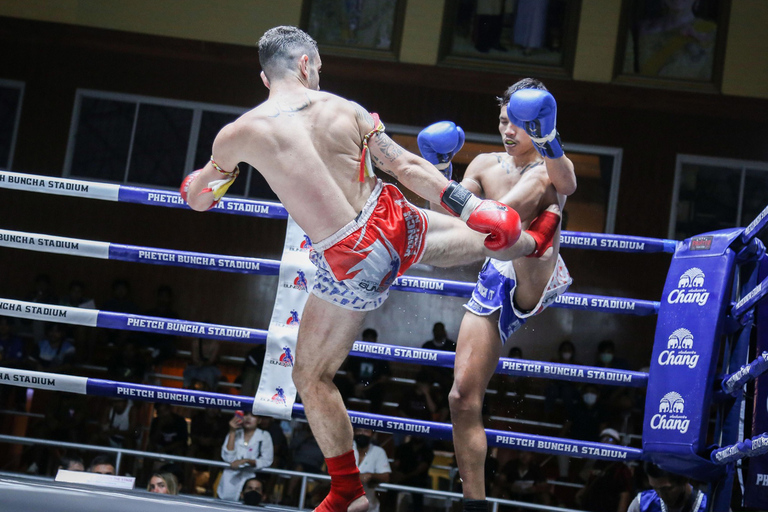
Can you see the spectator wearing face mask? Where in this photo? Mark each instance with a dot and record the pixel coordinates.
(252, 493)
(607, 358)
(561, 395)
(586, 418)
(373, 464)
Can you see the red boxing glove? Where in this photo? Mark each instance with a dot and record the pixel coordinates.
(542, 229)
(184, 190)
(499, 221)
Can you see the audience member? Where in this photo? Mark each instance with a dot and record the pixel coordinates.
(669, 492)
(440, 341)
(205, 356)
(521, 479)
(411, 467)
(421, 402)
(247, 448)
(119, 302)
(162, 346)
(76, 298)
(585, 420)
(163, 483)
(43, 293)
(126, 363)
(82, 335)
(64, 420)
(365, 377)
(207, 428)
(373, 465)
(71, 463)
(12, 352)
(609, 484)
(253, 492)
(561, 394)
(251, 371)
(54, 353)
(167, 432)
(119, 427)
(102, 464)
(305, 455)
(606, 356)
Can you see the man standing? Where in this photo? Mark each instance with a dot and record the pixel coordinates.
(317, 152)
(533, 176)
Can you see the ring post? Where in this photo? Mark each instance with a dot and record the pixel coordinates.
(690, 327)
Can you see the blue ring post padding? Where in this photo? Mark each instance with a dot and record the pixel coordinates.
(199, 260)
(173, 327)
(234, 206)
(616, 243)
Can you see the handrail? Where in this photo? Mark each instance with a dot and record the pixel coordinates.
(304, 475)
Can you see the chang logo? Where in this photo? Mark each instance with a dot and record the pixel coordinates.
(679, 350)
(670, 416)
(690, 289)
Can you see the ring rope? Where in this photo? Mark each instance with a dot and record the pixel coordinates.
(187, 397)
(750, 299)
(755, 226)
(272, 210)
(734, 382)
(207, 261)
(753, 447)
(395, 353)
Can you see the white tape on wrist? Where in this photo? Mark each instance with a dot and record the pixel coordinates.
(548, 138)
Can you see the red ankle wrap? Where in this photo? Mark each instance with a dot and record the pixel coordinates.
(543, 229)
(345, 483)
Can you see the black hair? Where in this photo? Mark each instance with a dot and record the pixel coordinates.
(605, 345)
(371, 333)
(525, 83)
(101, 459)
(654, 471)
(279, 48)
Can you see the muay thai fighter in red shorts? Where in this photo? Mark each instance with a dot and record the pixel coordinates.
(317, 152)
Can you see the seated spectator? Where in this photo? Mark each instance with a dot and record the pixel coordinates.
(206, 430)
(163, 483)
(71, 463)
(609, 484)
(205, 356)
(668, 492)
(419, 402)
(43, 293)
(585, 420)
(102, 464)
(561, 394)
(64, 420)
(82, 335)
(54, 353)
(119, 302)
(440, 341)
(76, 298)
(305, 456)
(606, 356)
(253, 492)
(161, 346)
(126, 364)
(373, 464)
(167, 432)
(365, 378)
(12, 350)
(119, 427)
(521, 479)
(247, 448)
(251, 372)
(411, 467)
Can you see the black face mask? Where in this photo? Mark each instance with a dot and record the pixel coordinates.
(362, 441)
(252, 498)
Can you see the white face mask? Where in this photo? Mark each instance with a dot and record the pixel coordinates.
(566, 356)
(590, 398)
(606, 357)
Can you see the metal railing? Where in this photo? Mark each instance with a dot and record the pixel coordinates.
(305, 477)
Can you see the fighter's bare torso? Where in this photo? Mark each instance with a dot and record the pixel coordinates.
(308, 146)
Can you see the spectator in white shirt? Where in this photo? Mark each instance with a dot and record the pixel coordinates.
(373, 464)
(247, 448)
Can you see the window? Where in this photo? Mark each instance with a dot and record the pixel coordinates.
(680, 40)
(591, 208)
(11, 94)
(715, 193)
(361, 28)
(149, 141)
(522, 32)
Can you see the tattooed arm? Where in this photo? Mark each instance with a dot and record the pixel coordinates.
(411, 170)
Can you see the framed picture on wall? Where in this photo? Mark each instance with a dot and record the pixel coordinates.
(672, 40)
(355, 26)
(519, 32)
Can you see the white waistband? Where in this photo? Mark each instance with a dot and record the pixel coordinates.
(354, 224)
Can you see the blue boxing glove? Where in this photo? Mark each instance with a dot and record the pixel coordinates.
(535, 111)
(438, 143)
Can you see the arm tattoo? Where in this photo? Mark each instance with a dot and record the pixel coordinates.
(387, 146)
(381, 166)
(362, 115)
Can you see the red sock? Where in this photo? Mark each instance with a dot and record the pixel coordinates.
(345, 483)
(543, 229)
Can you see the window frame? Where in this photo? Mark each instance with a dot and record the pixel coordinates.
(742, 165)
(198, 108)
(14, 84)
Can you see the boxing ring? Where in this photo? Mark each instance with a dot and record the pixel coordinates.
(710, 344)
